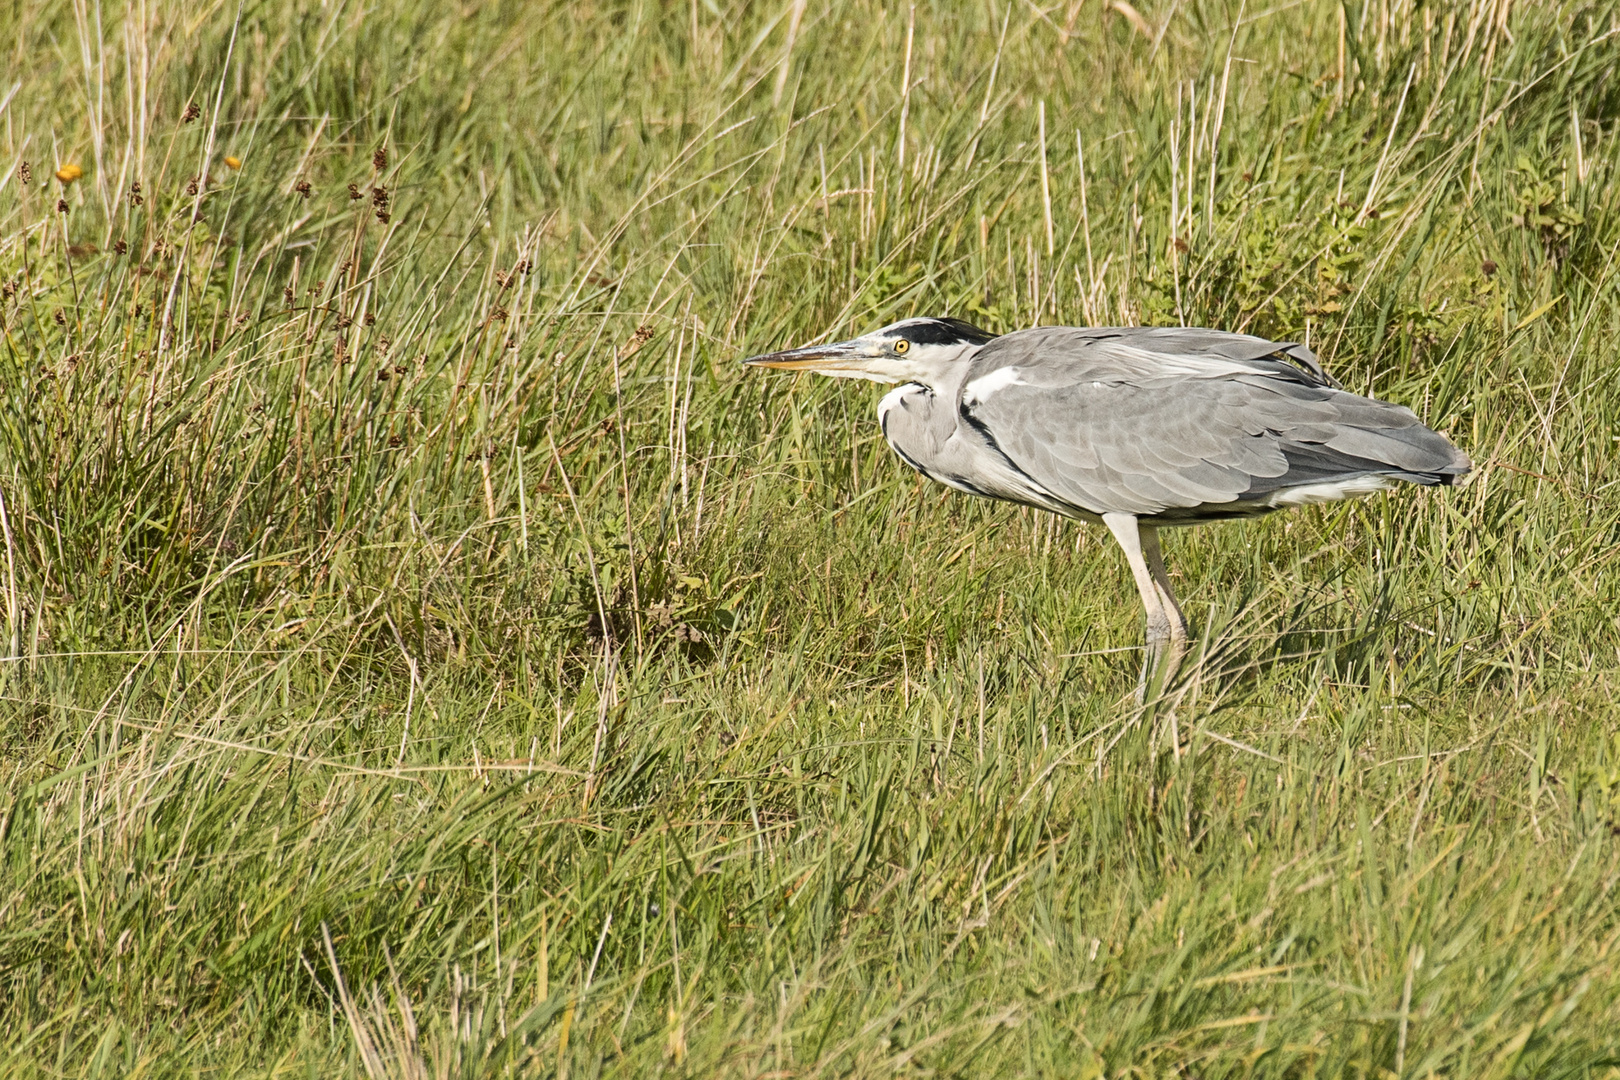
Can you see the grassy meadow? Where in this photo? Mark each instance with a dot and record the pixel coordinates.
(428, 653)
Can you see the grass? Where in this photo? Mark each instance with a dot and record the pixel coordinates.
(428, 653)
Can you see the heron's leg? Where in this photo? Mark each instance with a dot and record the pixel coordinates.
(1130, 536)
(1161, 584)
(1164, 647)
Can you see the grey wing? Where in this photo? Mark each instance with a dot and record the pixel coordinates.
(1107, 425)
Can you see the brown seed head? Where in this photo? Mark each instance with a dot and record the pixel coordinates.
(61, 206)
(192, 112)
(1488, 268)
(643, 334)
(354, 192)
(120, 247)
(303, 189)
(191, 186)
(379, 160)
(25, 174)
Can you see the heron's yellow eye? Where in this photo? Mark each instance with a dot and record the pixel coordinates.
(901, 346)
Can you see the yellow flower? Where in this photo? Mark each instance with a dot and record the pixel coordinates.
(233, 162)
(69, 173)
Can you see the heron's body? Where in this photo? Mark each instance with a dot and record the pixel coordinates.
(1136, 427)
(1175, 427)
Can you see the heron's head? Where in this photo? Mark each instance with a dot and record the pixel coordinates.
(913, 350)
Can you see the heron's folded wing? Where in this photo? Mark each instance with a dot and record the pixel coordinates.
(1116, 448)
(1107, 426)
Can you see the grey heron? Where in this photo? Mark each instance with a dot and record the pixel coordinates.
(1139, 428)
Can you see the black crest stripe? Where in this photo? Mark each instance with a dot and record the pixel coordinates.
(945, 332)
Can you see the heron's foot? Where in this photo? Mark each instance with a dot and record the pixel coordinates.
(1166, 648)
(1167, 628)
(1167, 636)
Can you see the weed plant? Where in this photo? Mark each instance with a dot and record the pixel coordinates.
(428, 653)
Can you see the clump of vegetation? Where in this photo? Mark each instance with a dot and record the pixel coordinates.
(424, 651)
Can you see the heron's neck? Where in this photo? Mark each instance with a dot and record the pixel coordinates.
(943, 380)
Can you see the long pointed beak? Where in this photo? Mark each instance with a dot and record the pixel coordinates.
(838, 357)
